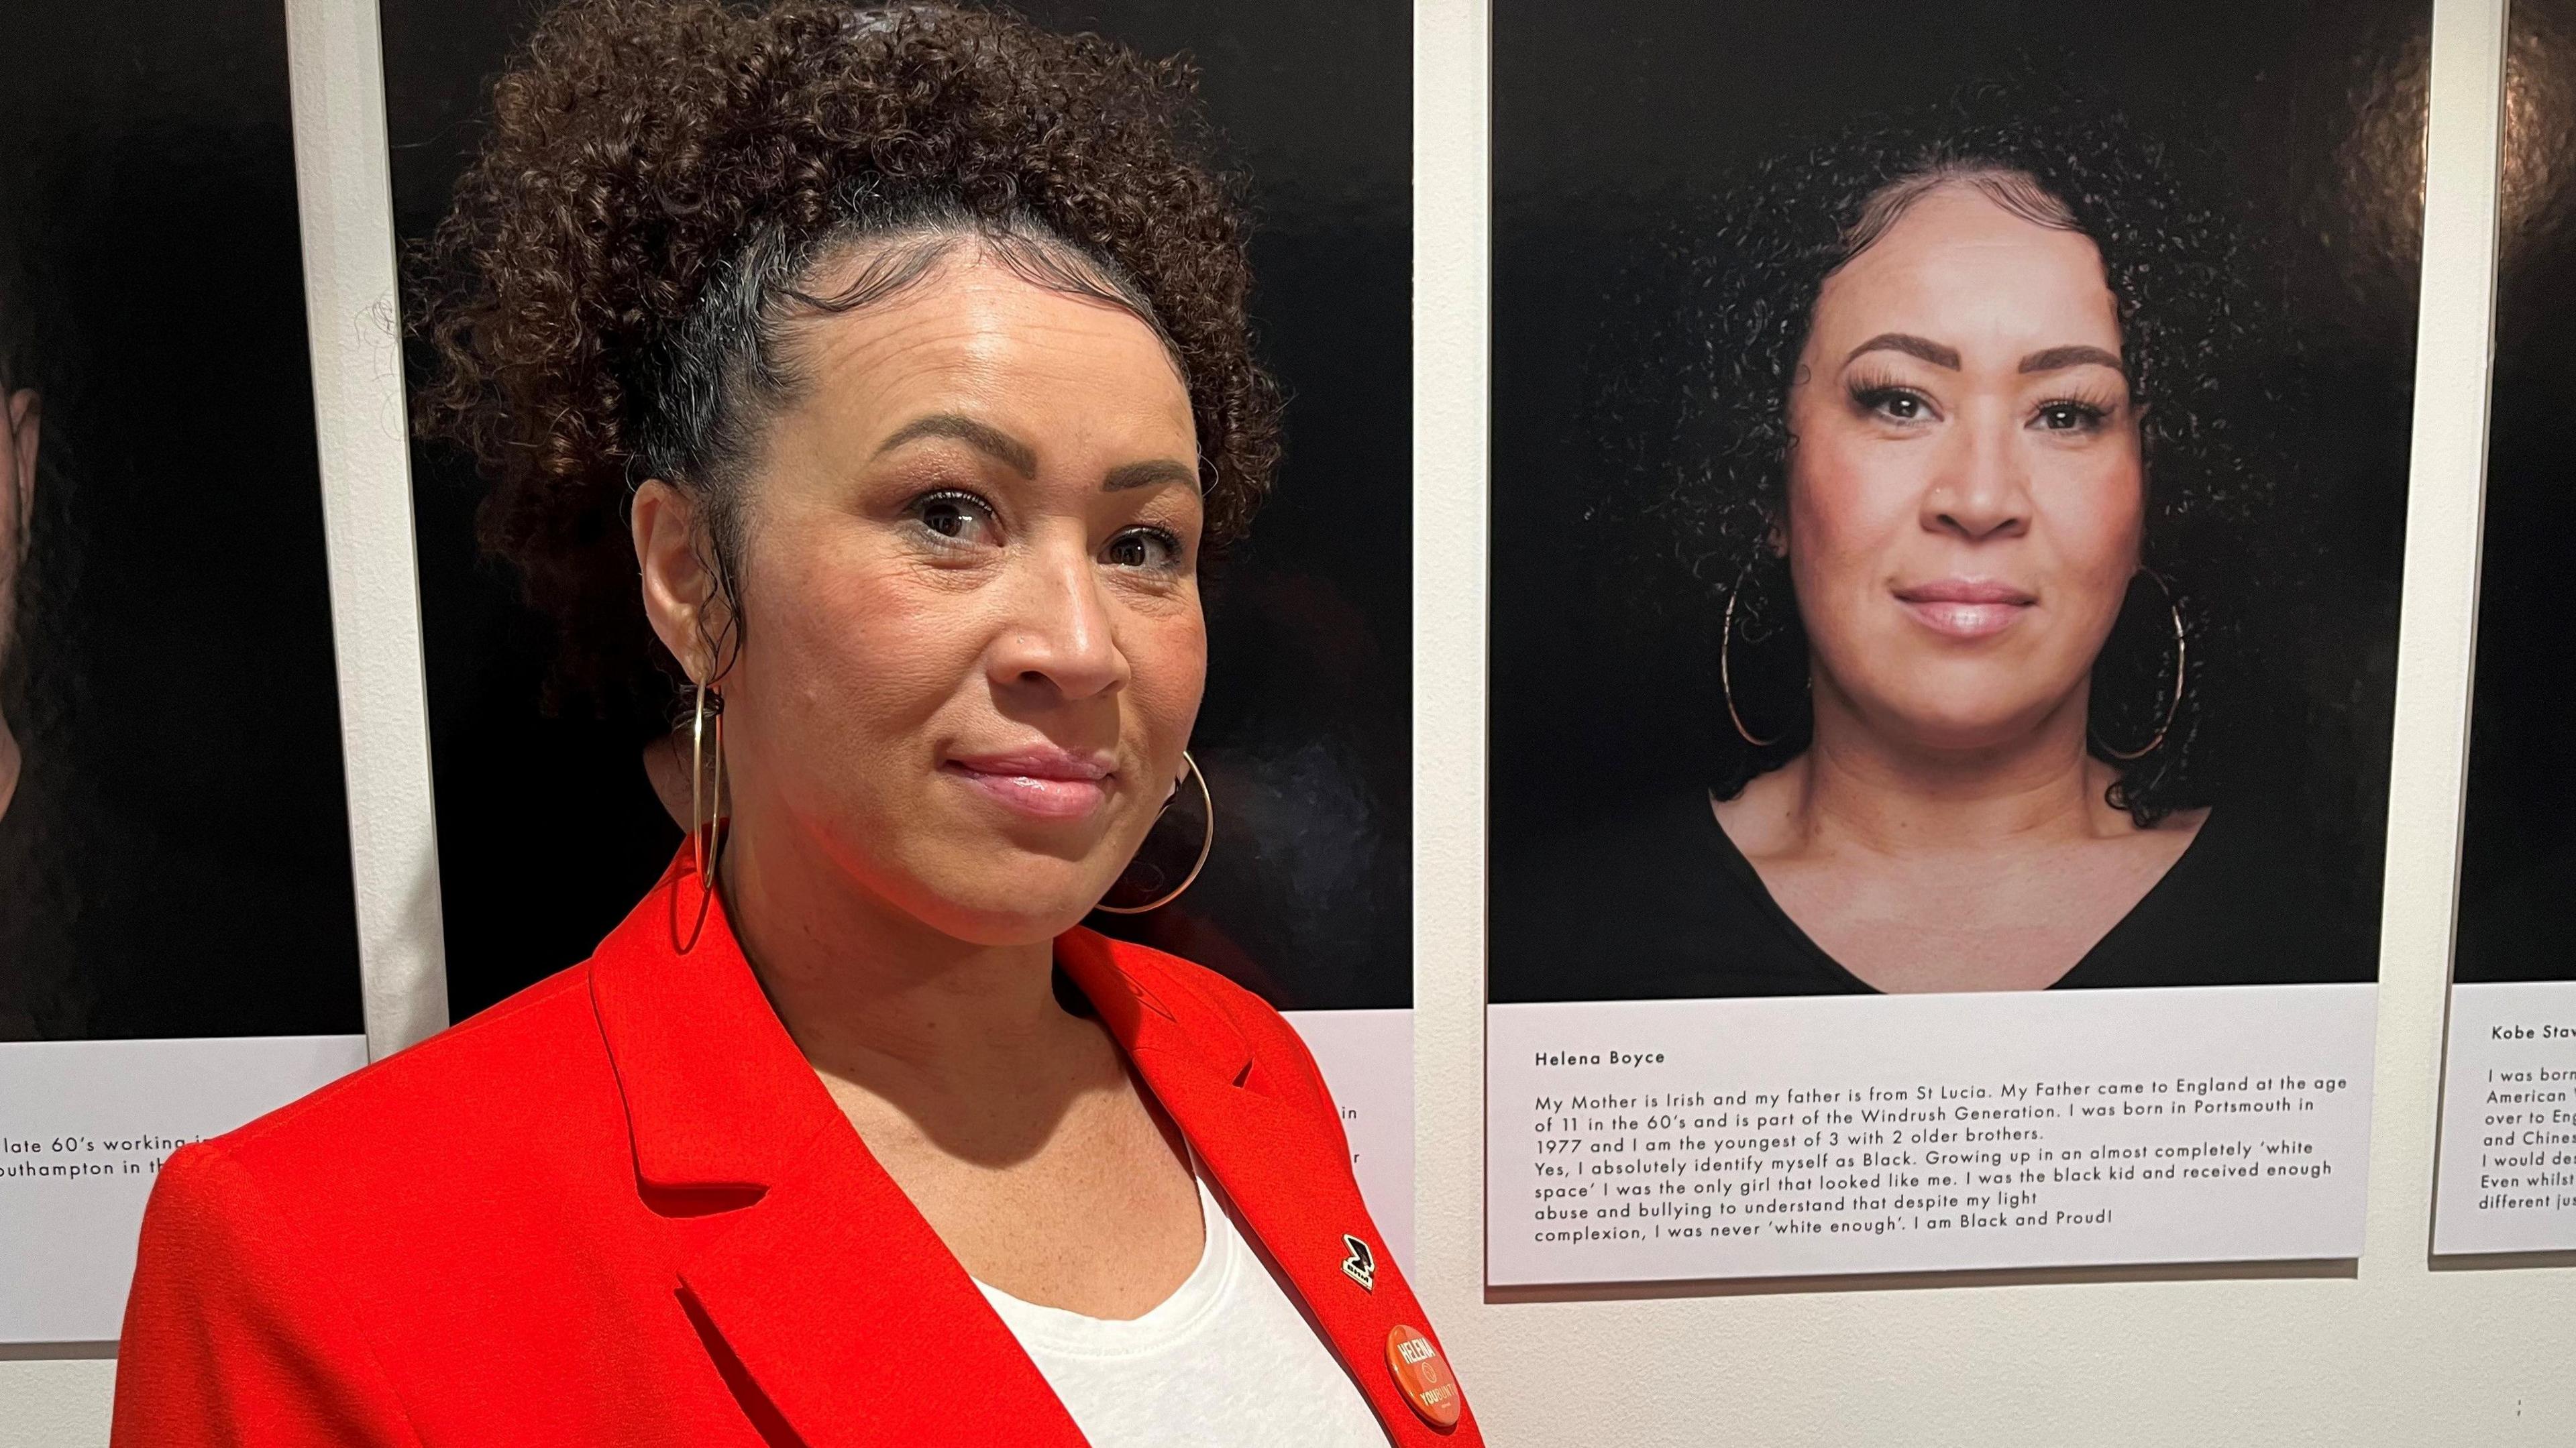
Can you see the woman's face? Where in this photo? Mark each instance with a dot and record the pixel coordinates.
(1965, 488)
(969, 568)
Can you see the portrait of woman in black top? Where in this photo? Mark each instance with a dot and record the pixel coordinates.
(21, 429)
(174, 848)
(1969, 484)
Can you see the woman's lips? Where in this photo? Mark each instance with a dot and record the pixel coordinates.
(1047, 784)
(1965, 608)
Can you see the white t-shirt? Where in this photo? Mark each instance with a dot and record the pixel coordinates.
(1226, 1361)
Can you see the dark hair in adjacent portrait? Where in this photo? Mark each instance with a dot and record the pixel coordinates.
(610, 296)
(17, 365)
(1706, 465)
(18, 284)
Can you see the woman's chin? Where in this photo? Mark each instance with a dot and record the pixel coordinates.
(1010, 908)
(1972, 727)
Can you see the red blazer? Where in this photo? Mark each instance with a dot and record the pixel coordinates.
(620, 1208)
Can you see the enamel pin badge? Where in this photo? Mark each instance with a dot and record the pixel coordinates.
(1361, 1265)
(1423, 1375)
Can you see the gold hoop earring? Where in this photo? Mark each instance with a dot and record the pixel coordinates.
(706, 805)
(1726, 673)
(2182, 663)
(1207, 845)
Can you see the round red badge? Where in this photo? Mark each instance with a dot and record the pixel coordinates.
(1424, 1376)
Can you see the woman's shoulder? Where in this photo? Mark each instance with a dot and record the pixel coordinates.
(1219, 1017)
(484, 1098)
(482, 1166)
(1642, 899)
(2252, 900)
(1602, 854)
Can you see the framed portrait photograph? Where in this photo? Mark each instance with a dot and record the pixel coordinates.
(2507, 1180)
(1948, 500)
(1294, 845)
(178, 946)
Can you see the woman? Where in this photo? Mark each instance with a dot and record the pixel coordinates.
(21, 419)
(1974, 536)
(912, 345)
(21, 425)
(36, 994)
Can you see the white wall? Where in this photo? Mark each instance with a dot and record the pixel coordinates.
(2393, 1353)
(51, 1402)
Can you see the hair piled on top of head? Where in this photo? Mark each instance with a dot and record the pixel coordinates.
(604, 300)
(1750, 270)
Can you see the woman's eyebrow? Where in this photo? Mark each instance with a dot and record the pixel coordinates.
(2056, 359)
(1148, 473)
(983, 437)
(1912, 346)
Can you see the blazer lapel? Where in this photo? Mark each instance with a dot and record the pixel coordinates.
(1286, 1176)
(832, 1309)
(853, 1320)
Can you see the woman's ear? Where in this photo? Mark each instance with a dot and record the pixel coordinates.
(1775, 534)
(682, 595)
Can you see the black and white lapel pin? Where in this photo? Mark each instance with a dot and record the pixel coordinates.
(1361, 1265)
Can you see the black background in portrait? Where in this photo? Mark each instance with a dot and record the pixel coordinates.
(176, 862)
(1615, 121)
(2518, 862)
(548, 831)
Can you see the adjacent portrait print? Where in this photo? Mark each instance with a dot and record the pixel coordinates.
(1947, 496)
(1303, 736)
(173, 832)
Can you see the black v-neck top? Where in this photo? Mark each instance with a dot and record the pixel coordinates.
(1657, 903)
(40, 995)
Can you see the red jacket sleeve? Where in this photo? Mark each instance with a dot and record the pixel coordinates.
(232, 1337)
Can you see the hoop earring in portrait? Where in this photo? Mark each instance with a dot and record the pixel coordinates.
(1175, 850)
(2140, 689)
(1762, 677)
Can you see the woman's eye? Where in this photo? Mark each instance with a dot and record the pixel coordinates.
(1896, 404)
(958, 517)
(1143, 548)
(2069, 417)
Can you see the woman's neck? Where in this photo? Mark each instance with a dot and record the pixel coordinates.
(1857, 786)
(877, 998)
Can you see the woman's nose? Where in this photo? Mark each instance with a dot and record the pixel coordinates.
(1982, 488)
(1060, 634)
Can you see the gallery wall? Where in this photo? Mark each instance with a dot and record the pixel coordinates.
(2393, 1348)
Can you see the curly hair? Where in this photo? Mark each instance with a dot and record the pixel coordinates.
(1751, 270)
(610, 294)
